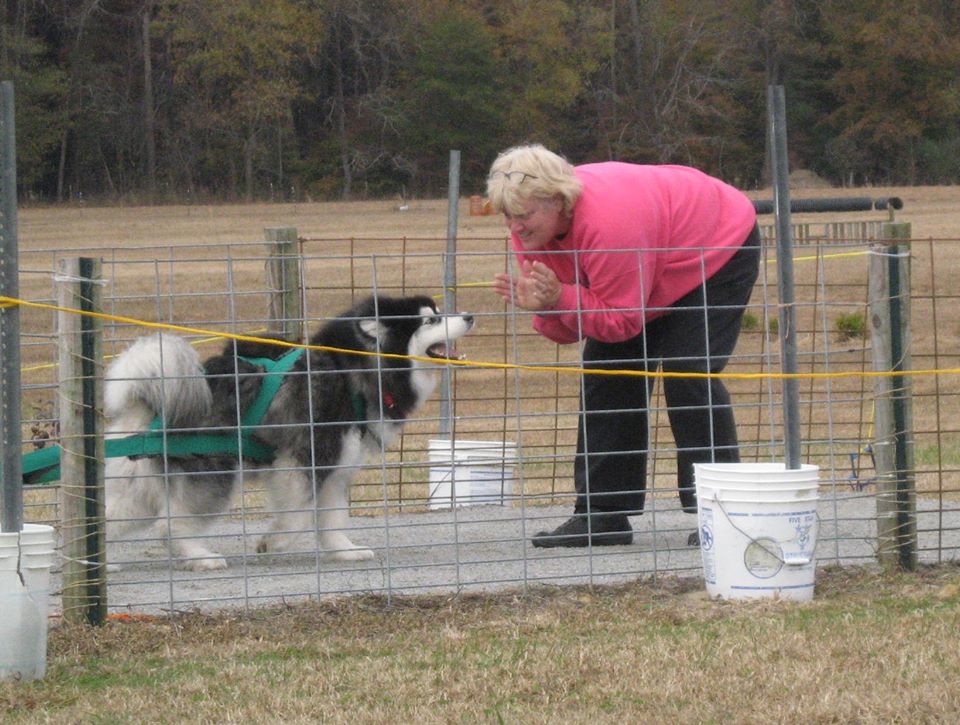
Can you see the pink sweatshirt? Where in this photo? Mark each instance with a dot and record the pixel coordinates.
(641, 238)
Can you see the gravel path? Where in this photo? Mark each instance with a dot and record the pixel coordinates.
(472, 549)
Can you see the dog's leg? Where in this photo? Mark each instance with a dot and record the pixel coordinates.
(290, 497)
(334, 517)
(194, 503)
(132, 503)
(138, 498)
(290, 500)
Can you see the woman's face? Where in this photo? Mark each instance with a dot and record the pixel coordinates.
(537, 222)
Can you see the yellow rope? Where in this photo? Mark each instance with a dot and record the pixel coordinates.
(49, 366)
(483, 365)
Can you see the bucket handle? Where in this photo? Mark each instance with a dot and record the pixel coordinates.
(793, 560)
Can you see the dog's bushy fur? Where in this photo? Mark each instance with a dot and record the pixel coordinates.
(312, 423)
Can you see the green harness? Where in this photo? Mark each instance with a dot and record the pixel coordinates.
(43, 466)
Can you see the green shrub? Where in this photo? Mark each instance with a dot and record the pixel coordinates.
(851, 326)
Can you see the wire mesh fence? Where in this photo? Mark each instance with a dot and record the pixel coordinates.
(521, 392)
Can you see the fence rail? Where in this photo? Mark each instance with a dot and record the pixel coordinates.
(833, 232)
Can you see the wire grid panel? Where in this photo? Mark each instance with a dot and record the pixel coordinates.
(533, 406)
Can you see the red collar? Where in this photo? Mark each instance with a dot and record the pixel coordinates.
(389, 403)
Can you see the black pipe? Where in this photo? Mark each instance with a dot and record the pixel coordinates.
(852, 203)
(894, 202)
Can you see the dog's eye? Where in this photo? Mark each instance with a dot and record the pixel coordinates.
(433, 320)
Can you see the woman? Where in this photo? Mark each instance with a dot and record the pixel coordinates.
(652, 267)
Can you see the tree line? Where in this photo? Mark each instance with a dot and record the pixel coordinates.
(195, 100)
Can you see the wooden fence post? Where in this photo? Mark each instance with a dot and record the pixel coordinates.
(82, 448)
(285, 316)
(889, 294)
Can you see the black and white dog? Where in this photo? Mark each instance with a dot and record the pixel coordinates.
(333, 408)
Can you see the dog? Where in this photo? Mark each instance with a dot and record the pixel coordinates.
(334, 408)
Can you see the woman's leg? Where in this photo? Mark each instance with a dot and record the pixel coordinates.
(704, 430)
(698, 336)
(610, 467)
(611, 463)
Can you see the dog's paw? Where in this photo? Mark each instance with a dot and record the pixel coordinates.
(357, 554)
(205, 562)
(274, 543)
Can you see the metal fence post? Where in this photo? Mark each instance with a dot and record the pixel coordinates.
(11, 485)
(776, 103)
(81, 430)
(450, 285)
(285, 316)
(889, 294)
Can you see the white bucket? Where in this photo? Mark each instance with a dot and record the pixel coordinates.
(758, 529)
(25, 561)
(470, 473)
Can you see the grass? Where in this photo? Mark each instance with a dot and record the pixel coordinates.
(871, 647)
(851, 326)
(930, 455)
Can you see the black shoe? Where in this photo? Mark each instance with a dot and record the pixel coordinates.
(582, 530)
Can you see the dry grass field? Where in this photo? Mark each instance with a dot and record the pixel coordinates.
(934, 212)
(871, 647)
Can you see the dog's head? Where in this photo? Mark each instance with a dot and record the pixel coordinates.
(411, 326)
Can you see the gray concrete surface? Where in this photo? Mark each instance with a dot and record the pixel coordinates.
(469, 549)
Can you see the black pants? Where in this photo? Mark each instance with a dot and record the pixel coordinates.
(698, 334)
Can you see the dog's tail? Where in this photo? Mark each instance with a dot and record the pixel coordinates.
(158, 375)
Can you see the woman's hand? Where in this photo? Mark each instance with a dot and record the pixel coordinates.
(537, 288)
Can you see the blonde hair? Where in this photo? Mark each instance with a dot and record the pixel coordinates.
(522, 173)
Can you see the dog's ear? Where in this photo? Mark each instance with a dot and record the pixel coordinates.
(372, 328)
(367, 315)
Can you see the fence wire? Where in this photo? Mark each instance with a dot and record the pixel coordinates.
(527, 400)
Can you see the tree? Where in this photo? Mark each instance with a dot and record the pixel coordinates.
(550, 50)
(325, 98)
(232, 86)
(451, 95)
(149, 108)
(40, 90)
(349, 112)
(673, 99)
(895, 85)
